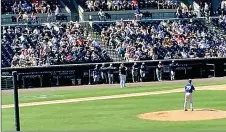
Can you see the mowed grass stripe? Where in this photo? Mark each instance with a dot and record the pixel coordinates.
(116, 114)
(112, 96)
(72, 94)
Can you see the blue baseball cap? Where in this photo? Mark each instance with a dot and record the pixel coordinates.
(189, 80)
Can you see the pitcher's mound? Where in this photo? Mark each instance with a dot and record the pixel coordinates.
(180, 115)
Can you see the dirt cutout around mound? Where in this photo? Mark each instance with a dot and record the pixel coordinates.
(180, 115)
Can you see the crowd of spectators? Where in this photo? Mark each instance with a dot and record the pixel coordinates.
(50, 44)
(27, 10)
(24, 17)
(220, 22)
(22, 6)
(136, 40)
(14, 6)
(114, 5)
(185, 12)
(206, 9)
(222, 9)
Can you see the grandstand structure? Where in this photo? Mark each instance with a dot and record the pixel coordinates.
(52, 32)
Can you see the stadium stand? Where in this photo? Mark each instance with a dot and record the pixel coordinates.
(220, 22)
(33, 11)
(116, 5)
(185, 12)
(50, 44)
(37, 43)
(151, 40)
(28, 6)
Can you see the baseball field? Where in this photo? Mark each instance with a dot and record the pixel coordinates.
(139, 106)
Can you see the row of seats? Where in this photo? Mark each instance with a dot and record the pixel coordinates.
(131, 4)
(209, 43)
(221, 25)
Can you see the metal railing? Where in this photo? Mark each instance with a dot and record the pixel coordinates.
(211, 69)
(131, 16)
(63, 75)
(12, 19)
(143, 4)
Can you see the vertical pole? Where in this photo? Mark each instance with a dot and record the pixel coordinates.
(224, 68)
(75, 77)
(16, 101)
(41, 82)
(57, 80)
(89, 77)
(24, 85)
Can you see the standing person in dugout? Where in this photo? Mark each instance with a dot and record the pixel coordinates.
(104, 74)
(122, 75)
(96, 75)
(110, 71)
(159, 70)
(135, 72)
(142, 72)
(173, 67)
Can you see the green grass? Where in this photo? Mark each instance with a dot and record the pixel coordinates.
(70, 94)
(116, 114)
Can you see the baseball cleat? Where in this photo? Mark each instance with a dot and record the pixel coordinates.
(185, 110)
(192, 109)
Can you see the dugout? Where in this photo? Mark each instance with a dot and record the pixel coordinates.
(73, 74)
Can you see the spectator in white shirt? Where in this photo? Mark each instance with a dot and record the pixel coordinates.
(57, 11)
(90, 5)
(206, 10)
(101, 15)
(109, 4)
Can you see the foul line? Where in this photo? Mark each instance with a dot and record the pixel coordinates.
(215, 87)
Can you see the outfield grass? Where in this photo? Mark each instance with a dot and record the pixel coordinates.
(116, 114)
(70, 94)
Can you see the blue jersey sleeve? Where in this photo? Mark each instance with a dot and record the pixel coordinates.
(193, 88)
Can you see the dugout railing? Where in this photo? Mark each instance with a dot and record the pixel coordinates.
(225, 68)
(6, 82)
(81, 74)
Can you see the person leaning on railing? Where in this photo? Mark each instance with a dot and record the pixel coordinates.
(33, 18)
(101, 15)
(20, 17)
(138, 14)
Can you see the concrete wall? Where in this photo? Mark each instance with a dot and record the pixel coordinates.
(128, 14)
(42, 18)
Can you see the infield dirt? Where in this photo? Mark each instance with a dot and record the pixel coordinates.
(180, 115)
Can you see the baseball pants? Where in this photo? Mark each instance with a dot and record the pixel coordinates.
(96, 78)
(159, 75)
(135, 76)
(142, 75)
(172, 75)
(111, 78)
(123, 81)
(188, 96)
(104, 77)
